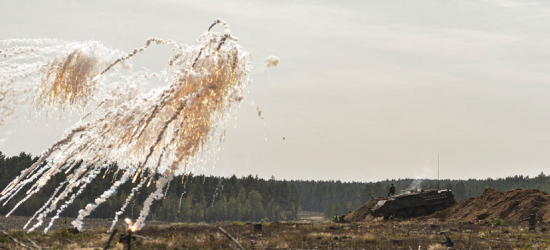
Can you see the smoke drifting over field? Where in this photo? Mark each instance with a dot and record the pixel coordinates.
(150, 136)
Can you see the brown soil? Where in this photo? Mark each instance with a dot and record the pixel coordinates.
(513, 206)
(328, 235)
(361, 214)
(18, 222)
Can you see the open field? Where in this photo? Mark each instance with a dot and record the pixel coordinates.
(410, 234)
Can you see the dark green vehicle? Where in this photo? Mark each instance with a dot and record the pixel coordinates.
(413, 203)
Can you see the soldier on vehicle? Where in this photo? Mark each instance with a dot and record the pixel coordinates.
(392, 191)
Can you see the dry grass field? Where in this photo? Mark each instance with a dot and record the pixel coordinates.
(410, 234)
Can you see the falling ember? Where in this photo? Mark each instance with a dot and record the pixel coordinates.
(96, 78)
(8, 189)
(136, 176)
(156, 134)
(259, 113)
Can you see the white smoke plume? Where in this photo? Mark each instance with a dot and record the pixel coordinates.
(86, 181)
(416, 184)
(77, 223)
(128, 199)
(271, 61)
(57, 71)
(422, 172)
(146, 134)
(157, 195)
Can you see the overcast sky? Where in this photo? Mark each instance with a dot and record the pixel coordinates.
(365, 90)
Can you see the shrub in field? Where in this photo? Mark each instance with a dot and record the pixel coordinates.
(497, 222)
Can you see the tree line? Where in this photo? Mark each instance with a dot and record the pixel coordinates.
(199, 198)
(190, 198)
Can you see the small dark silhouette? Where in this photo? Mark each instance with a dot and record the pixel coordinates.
(392, 190)
(73, 230)
(258, 227)
(532, 222)
(448, 242)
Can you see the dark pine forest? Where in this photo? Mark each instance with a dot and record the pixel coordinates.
(199, 198)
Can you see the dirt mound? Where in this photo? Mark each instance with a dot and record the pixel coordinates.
(362, 213)
(512, 206)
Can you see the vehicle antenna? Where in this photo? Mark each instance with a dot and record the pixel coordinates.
(437, 172)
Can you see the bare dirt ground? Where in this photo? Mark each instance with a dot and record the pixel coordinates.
(494, 220)
(409, 234)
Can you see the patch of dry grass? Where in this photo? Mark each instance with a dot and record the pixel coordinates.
(367, 237)
(437, 247)
(320, 235)
(327, 235)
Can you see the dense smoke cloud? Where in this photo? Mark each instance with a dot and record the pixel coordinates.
(148, 136)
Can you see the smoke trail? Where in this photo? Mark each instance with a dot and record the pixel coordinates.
(74, 180)
(222, 22)
(184, 182)
(40, 41)
(121, 211)
(39, 211)
(137, 50)
(217, 191)
(167, 187)
(157, 195)
(162, 131)
(82, 213)
(39, 184)
(86, 181)
(45, 155)
(181, 198)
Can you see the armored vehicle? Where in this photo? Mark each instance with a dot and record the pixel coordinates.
(413, 203)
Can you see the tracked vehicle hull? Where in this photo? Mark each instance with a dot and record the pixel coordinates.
(413, 204)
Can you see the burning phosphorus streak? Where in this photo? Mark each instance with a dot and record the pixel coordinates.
(150, 136)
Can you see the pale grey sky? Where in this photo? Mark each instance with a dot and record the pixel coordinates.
(365, 90)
